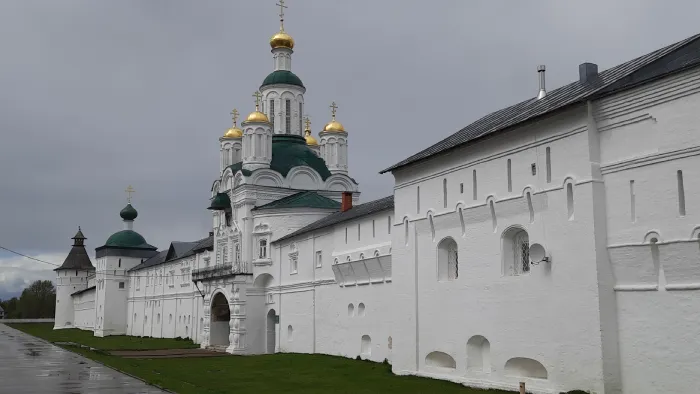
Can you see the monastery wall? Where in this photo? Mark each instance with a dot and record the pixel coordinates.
(465, 307)
(650, 144)
(84, 310)
(164, 303)
(319, 314)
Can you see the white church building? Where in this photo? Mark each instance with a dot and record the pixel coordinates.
(554, 242)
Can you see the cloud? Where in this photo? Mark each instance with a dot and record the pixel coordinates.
(17, 272)
(97, 95)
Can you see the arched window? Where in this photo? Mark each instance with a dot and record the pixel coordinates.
(448, 265)
(516, 251)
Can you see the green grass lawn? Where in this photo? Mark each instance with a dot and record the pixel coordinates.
(118, 342)
(274, 373)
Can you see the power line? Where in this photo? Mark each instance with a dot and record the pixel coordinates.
(105, 271)
(29, 257)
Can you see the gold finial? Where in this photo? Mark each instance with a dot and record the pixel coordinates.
(128, 191)
(307, 121)
(333, 109)
(282, 7)
(257, 96)
(234, 116)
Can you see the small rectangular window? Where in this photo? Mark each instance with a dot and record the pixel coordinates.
(272, 114)
(633, 214)
(681, 193)
(288, 116)
(474, 184)
(346, 235)
(358, 231)
(301, 120)
(548, 163)
(444, 193)
(418, 199)
(461, 188)
(510, 179)
(319, 259)
(374, 234)
(388, 222)
(121, 285)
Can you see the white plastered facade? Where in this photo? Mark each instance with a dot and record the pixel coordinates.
(439, 284)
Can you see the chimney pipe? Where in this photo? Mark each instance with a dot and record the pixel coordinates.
(587, 72)
(540, 73)
(346, 202)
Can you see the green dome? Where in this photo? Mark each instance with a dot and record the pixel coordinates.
(220, 202)
(127, 239)
(128, 213)
(289, 151)
(282, 77)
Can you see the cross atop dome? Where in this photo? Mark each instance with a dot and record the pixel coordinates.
(128, 191)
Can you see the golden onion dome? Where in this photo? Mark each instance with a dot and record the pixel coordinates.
(257, 116)
(282, 40)
(233, 132)
(310, 140)
(334, 127)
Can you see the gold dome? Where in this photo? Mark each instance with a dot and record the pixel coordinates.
(282, 40)
(334, 127)
(310, 140)
(233, 132)
(257, 116)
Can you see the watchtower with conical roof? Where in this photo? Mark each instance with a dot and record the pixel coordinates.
(71, 277)
(123, 250)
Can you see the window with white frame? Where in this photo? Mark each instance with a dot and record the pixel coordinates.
(237, 251)
(293, 264)
(262, 253)
(516, 251)
(319, 259)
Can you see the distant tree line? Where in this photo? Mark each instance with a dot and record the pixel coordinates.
(36, 302)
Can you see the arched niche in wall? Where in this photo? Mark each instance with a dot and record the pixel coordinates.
(525, 368)
(304, 178)
(440, 360)
(478, 354)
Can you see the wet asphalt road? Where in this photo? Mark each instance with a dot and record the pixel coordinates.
(32, 366)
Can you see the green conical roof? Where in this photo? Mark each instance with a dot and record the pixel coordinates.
(129, 212)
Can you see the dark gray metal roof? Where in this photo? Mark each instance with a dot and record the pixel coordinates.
(355, 212)
(642, 69)
(77, 259)
(177, 250)
(83, 290)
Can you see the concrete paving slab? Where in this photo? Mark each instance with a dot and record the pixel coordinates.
(33, 366)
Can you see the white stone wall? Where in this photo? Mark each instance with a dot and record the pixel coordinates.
(84, 307)
(112, 286)
(647, 135)
(515, 314)
(67, 283)
(317, 315)
(164, 302)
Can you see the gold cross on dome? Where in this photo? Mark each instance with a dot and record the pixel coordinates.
(333, 109)
(128, 191)
(257, 96)
(282, 7)
(234, 115)
(308, 123)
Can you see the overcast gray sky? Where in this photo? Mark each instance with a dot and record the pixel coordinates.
(97, 95)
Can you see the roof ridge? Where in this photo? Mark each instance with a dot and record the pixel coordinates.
(555, 99)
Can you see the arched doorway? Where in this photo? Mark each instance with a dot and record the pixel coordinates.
(270, 326)
(220, 317)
